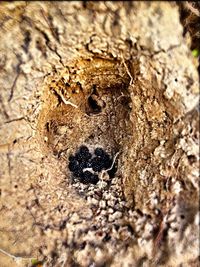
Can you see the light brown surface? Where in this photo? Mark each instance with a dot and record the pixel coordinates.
(146, 83)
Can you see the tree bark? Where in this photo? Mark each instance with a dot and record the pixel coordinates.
(119, 75)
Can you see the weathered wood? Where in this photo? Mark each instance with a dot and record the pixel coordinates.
(132, 59)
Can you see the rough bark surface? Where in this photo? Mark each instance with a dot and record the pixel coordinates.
(131, 58)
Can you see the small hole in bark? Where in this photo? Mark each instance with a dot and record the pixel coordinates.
(95, 108)
(191, 159)
(182, 216)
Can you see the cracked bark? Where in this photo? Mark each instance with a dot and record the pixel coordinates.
(135, 45)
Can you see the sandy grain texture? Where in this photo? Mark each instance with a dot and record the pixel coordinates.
(118, 75)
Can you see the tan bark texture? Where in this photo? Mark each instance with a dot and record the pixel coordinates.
(116, 75)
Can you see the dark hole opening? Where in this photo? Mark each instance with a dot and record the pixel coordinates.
(182, 216)
(192, 159)
(94, 105)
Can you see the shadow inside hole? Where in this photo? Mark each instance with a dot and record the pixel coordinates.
(94, 106)
(94, 102)
(125, 101)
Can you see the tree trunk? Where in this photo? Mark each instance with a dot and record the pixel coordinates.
(116, 75)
